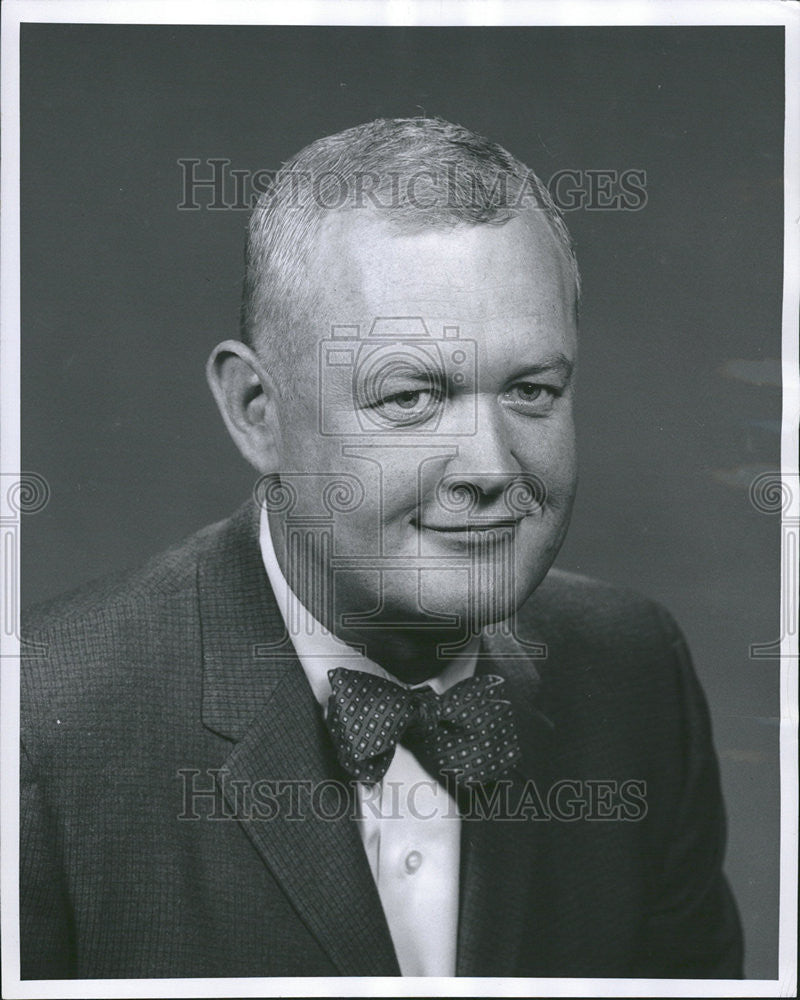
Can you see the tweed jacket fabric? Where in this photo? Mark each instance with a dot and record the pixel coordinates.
(180, 675)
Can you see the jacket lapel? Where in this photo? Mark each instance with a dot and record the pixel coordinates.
(502, 901)
(256, 694)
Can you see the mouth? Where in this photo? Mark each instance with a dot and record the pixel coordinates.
(471, 528)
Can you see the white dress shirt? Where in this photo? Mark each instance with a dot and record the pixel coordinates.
(409, 823)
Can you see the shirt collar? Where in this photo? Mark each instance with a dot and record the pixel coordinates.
(319, 650)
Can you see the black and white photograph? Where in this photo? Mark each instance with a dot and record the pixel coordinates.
(400, 499)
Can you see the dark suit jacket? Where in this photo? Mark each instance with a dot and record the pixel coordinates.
(150, 682)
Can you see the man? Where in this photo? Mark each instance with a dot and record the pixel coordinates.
(361, 728)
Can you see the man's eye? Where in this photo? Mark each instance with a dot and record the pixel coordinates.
(531, 397)
(407, 406)
(528, 391)
(407, 400)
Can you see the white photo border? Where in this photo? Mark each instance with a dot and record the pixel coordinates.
(396, 13)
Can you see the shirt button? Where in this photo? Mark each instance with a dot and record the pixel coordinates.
(413, 861)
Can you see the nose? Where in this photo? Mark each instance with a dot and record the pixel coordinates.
(485, 462)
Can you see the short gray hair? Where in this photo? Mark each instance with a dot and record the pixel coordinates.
(417, 173)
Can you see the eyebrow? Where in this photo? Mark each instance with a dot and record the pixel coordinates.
(423, 375)
(558, 363)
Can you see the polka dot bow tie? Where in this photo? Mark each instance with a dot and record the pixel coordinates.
(467, 732)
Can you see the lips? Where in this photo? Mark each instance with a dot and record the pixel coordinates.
(472, 526)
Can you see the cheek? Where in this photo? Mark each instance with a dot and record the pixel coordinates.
(302, 443)
(304, 448)
(397, 475)
(549, 453)
(379, 521)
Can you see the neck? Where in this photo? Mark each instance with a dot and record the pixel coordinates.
(411, 655)
(413, 651)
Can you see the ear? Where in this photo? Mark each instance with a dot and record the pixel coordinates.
(247, 399)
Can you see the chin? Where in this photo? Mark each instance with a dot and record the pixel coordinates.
(482, 597)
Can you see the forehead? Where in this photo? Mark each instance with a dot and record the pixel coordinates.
(467, 274)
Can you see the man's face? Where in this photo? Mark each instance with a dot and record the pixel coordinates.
(436, 389)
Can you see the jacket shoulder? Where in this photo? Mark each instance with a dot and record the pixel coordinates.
(149, 583)
(571, 604)
(123, 646)
(609, 651)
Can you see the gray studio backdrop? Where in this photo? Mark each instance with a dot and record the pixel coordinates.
(123, 296)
